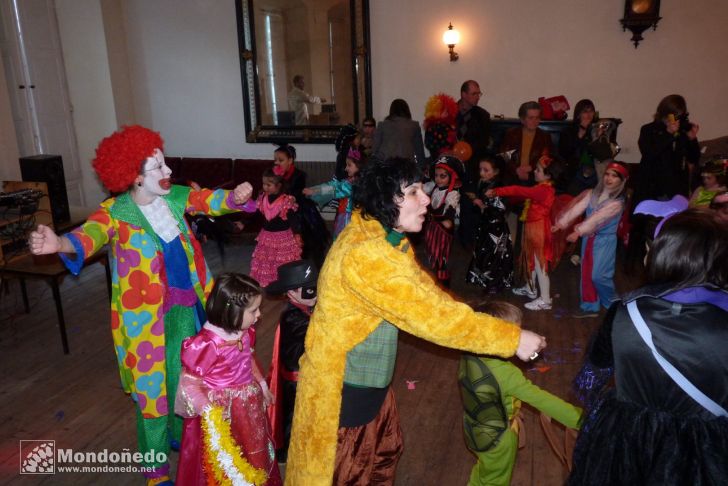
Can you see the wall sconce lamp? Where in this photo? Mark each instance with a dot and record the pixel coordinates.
(451, 37)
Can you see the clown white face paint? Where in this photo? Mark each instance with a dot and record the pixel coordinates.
(155, 175)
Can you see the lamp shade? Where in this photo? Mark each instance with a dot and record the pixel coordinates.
(451, 36)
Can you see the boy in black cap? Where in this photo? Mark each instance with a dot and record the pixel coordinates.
(298, 280)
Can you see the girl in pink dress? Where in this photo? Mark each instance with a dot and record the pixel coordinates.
(223, 396)
(277, 243)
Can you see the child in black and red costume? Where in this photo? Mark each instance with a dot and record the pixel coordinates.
(444, 207)
(298, 279)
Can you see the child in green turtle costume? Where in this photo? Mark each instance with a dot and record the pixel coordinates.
(492, 390)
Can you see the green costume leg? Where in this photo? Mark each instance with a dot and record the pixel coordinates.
(153, 439)
(153, 434)
(495, 466)
(179, 323)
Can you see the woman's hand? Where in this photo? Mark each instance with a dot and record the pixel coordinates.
(523, 171)
(555, 228)
(44, 241)
(530, 345)
(479, 203)
(242, 193)
(490, 193)
(573, 236)
(308, 191)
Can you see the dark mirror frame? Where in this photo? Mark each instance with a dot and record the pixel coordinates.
(361, 74)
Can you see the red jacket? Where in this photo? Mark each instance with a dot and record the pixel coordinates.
(542, 197)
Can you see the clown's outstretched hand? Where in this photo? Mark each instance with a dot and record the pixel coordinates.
(44, 240)
(243, 192)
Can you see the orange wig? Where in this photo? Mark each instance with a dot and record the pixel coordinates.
(120, 156)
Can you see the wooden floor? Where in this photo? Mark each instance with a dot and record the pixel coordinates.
(77, 401)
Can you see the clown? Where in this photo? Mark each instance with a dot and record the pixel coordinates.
(160, 279)
(444, 207)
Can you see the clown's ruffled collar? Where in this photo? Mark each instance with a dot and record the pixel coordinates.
(125, 209)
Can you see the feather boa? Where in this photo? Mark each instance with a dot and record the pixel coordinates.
(224, 460)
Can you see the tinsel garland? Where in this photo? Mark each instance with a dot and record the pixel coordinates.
(224, 459)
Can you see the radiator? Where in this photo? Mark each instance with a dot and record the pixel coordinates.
(317, 172)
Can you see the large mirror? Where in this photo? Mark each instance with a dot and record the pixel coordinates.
(305, 68)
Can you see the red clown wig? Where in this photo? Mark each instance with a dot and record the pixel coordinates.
(120, 156)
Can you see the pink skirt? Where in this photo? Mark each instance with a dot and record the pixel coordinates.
(274, 248)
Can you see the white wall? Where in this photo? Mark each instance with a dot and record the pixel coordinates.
(112, 14)
(186, 78)
(87, 70)
(521, 50)
(185, 73)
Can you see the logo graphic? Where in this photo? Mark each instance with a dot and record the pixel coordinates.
(37, 457)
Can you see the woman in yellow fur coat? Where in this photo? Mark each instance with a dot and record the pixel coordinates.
(346, 427)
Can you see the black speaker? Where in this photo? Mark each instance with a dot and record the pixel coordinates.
(49, 169)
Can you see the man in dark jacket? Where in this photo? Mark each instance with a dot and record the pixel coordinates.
(473, 126)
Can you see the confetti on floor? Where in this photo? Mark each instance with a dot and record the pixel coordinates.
(541, 368)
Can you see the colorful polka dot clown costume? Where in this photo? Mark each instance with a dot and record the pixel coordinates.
(160, 280)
